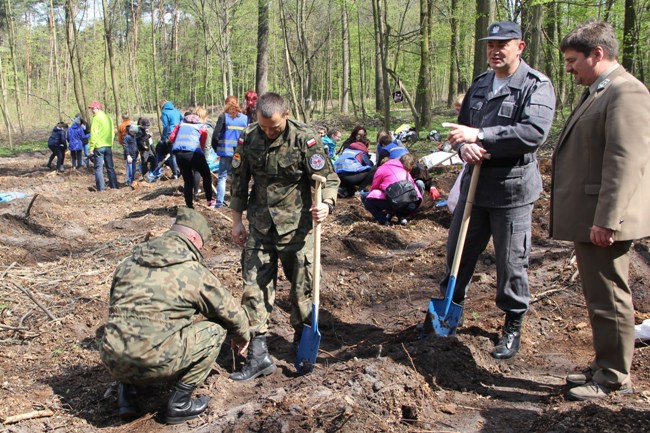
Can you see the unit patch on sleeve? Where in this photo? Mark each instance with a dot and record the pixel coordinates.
(317, 161)
(311, 142)
(240, 141)
(236, 160)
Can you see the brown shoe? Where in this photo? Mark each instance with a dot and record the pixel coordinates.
(576, 379)
(593, 391)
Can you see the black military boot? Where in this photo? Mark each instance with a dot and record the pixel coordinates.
(182, 407)
(126, 396)
(510, 340)
(258, 362)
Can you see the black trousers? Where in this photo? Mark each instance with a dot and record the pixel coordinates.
(188, 161)
(58, 152)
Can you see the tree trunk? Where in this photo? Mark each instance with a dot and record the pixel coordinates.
(12, 49)
(287, 59)
(423, 91)
(71, 41)
(453, 47)
(533, 34)
(262, 65)
(5, 106)
(153, 66)
(111, 62)
(361, 96)
(55, 59)
(379, 83)
(485, 11)
(345, 40)
(630, 36)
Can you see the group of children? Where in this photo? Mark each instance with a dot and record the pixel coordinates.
(75, 138)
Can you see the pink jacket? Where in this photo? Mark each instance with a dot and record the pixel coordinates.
(387, 174)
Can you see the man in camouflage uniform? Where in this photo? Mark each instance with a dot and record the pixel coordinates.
(280, 155)
(152, 335)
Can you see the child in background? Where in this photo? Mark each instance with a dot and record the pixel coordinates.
(84, 140)
(57, 143)
(76, 137)
(131, 153)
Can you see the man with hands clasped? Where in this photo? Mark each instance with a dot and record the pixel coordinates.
(507, 113)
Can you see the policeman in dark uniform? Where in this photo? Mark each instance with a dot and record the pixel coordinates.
(507, 113)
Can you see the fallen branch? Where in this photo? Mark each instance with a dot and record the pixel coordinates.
(12, 328)
(4, 274)
(538, 297)
(36, 301)
(29, 415)
(29, 208)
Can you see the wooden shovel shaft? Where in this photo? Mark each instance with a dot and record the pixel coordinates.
(460, 244)
(318, 199)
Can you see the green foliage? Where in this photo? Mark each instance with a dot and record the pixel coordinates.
(22, 148)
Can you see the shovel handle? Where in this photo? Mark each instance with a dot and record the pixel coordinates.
(318, 199)
(460, 244)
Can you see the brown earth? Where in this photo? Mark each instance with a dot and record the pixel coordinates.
(62, 243)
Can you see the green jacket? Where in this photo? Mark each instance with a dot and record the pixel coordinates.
(102, 132)
(156, 293)
(281, 171)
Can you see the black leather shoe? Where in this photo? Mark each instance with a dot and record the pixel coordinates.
(126, 401)
(258, 362)
(182, 407)
(510, 340)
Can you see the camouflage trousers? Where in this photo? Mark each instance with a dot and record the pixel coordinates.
(195, 350)
(260, 268)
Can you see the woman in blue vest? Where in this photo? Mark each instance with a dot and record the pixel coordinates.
(230, 125)
(188, 138)
(355, 169)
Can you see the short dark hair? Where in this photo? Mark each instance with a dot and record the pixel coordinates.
(271, 103)
(332, 132)
(589, 35)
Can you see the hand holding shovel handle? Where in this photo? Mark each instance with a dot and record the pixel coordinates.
(310, 339)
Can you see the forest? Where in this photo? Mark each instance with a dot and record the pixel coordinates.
(329, 57)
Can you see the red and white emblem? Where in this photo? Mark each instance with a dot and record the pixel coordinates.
(317, 161)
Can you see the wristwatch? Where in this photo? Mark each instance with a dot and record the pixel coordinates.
(480, 135)
(331, 206)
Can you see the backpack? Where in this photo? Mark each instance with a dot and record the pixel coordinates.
(401, 194)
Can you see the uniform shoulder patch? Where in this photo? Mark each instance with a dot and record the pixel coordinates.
(317, 161)
(236, 160)
(240, 141)
(311, 142)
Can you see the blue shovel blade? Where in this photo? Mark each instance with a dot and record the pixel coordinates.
(443, 324)
(307, 350)
(309, 344)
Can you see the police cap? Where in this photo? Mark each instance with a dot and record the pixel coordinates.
(503, 31)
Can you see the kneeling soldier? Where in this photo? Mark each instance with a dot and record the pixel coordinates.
(151, 335)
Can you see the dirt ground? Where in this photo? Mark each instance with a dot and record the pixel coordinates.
(60, 245)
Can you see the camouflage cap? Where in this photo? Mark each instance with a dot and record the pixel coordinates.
(190, 218)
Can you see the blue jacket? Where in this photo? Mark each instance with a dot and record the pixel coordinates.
(57, 138)
(353, 160)
(393, 150)
(329, 145)
(170, 117)
(76, 137)
(130, 146)
(230, 135)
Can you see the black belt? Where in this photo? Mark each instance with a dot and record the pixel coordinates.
(508, 162)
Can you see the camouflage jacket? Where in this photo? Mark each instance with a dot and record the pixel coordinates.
(281, 171)
(157, 292)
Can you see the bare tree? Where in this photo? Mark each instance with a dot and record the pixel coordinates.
(262, 65)
(345, 40)
(423, 91)
(485, 11)
(108, 36)
(54, 58)
(4, 105)
(11, 24)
